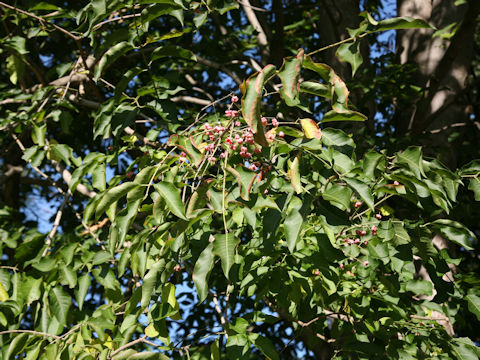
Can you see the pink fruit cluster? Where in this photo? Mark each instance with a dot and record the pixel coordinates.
(223, 140)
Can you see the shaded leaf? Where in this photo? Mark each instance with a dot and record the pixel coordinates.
(456, 232)
(316, 88)
(339, 194)
(224, 246)
(201, 272)
(112, 195)
(362, 190)
(60, 303)
(110, 56)
(81, 291)
(289, 74)
(345, 115)
(473, 304)
(245, 178)
(350, 52)
(172, 197)
(423, 287)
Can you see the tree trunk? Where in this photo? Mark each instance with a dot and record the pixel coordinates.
(442, 70)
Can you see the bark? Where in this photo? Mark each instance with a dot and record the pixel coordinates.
(442, 70)
(336, 16)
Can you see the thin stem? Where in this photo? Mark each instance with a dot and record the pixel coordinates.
(353, 38)
(38, 333)
(130, 344)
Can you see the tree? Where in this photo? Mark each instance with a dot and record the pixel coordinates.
(239, 180)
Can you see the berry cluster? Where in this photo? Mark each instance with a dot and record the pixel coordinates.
(233, 137)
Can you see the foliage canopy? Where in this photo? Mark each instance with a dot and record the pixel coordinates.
(204, 207)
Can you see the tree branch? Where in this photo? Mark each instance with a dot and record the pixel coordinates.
(253, 20)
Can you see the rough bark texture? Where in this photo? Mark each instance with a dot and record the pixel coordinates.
(442, 70)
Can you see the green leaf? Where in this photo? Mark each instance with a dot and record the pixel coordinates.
(16, 43)
(412, 157)
(81, 291)
(473, 305)
(38, 134)
(398, 23)
(323, 70)
(465, 349)
(154, 11)
(201, 272)
(60, 303)
(472, 168)
(68, 276)
(124, 81)
(316, 88)
(456, 232)
(264, 345)
(16, 346)
(474, 185)
(150, 282)
(289, 74)
(251, 102)
(112, 195)
(337, 138)
(174, 51)
(15, 68)
(61, 152)
(345, 115)
(350, 52)
(224, 246)
(293, 223)
(362, 190)
(111, 56)
(370, 163)
(245, 178)
(339, 194)
(420, 287)
(400, 235)
(98, 177)
(172, 197)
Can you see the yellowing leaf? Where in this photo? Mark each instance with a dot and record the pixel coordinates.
(310, 128)
(294, 174)
(150, 331)
(3, 293)
(109, 343)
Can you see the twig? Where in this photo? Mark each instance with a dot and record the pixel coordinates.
(252, 7)
(42, 20)
(221, 67)
(56, 223)
(252, 18)
(337, 43)
(120, 18)
(45, 22)
(70, 78)
(130, 344)
(220, 313)
(39, 333)
(190, 99)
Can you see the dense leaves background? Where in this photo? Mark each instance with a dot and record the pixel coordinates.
(190, 224)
